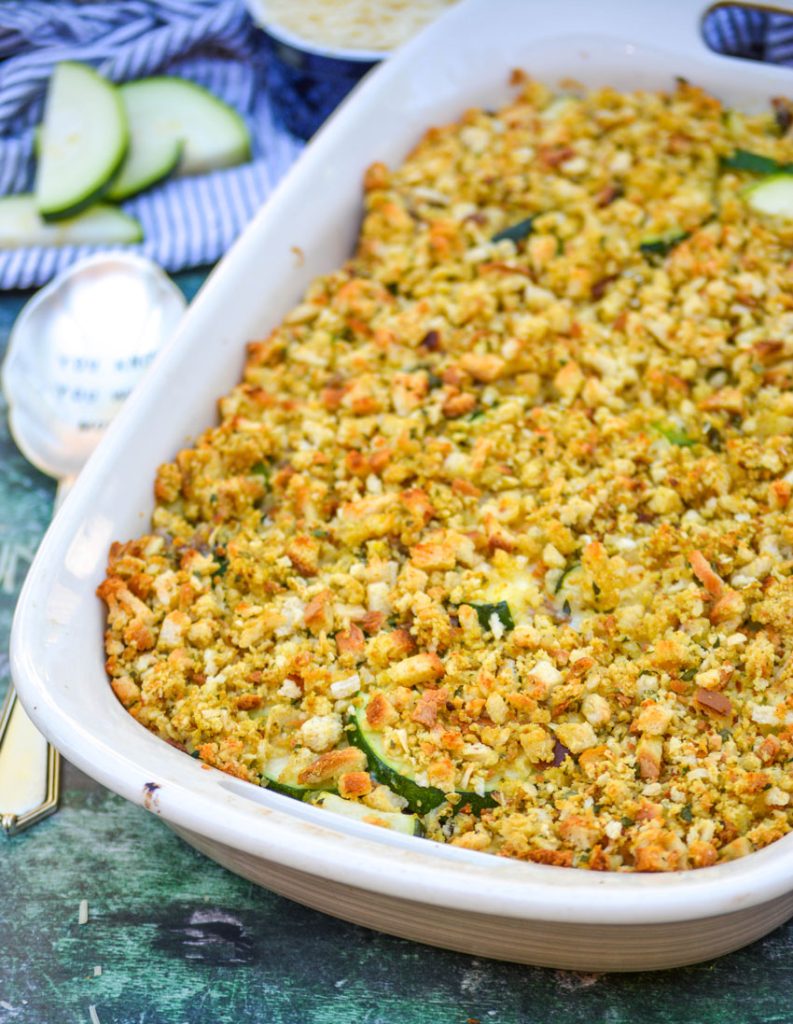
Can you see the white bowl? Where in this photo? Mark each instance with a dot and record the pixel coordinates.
(259, 11)
(463, 900)
(306, 80)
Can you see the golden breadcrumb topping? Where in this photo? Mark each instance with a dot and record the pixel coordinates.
(496, 535)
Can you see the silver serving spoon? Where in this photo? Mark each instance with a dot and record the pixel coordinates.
(75, 352)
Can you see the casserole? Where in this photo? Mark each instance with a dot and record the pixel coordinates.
(452, 897)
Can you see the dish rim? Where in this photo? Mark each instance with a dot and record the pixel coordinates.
(191, 795)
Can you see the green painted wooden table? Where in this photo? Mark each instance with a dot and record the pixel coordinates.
(172, 938)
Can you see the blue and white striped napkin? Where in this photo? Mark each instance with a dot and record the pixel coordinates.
(192, 221)
(750, 32)
(188, 221)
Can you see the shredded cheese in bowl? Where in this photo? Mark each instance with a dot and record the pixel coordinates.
(372, 25)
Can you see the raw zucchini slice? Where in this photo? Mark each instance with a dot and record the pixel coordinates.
(151, 159)
(397, 775)
(394, 820)
(83, 141)
(166, 110)
(280, 777)
(21, 225)
(773, 196)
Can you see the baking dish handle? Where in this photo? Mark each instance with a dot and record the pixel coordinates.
(679, 25)
(671, 25)
(706, 7)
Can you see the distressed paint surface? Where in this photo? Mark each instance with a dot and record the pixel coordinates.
(181, 941)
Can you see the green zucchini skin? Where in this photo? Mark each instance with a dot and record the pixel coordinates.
(71, 77)
(473, 803)
(516, 232)
(21, 225)
(128, 183)
(571, 568)
(755, 163)
(294, 792)
(662, 245)
(91, 199)
(394, 821)
(674, 435)
(420, 799)
(270, 778)
(213, 135)
(500, 609)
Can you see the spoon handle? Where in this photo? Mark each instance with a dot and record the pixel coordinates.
(65, 484)
(29, 769)
(29, 765)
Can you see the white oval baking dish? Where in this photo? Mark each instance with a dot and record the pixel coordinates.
(450, 897)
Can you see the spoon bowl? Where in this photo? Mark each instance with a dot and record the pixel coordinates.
(76, 351)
